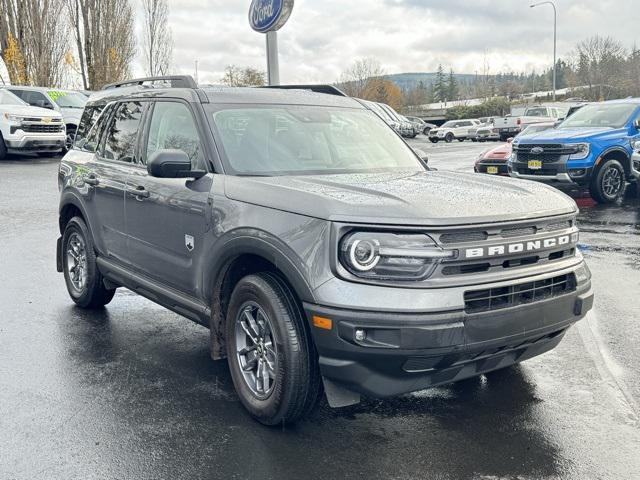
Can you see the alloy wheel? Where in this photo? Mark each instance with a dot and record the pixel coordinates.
(77, 262)
(611, 182)
(256, 350)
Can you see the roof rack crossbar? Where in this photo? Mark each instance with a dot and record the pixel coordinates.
(328, 89)
(177, 81)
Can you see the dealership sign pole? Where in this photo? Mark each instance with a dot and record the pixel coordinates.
(268, 16)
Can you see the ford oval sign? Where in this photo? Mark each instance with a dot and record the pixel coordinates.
(269, 15)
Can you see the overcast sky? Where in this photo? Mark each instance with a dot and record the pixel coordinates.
(323, 37)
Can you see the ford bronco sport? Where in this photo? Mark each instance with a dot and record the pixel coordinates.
(316, 246)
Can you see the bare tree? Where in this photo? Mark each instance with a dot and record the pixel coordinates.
(33, 41)
(235, 76)
(599, 64)
(103, 32)
(355, 79)
(157, 41)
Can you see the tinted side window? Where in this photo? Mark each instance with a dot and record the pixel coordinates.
(88, 119)
(95, 128)
(119, 142)
(172, 127)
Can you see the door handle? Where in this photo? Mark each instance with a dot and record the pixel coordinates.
(139, 191)
(91, 180)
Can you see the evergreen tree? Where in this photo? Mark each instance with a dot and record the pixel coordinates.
(440, 89)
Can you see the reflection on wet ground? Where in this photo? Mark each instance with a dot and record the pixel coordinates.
(130, 391)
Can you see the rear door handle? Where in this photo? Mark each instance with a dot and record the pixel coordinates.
(91, 180)
(138, 191)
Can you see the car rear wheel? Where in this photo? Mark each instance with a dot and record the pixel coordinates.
(85, 283)
(271, 357)
(608, 183)
(461, 139)
(449, 137)
(69, 139)
(433, 140)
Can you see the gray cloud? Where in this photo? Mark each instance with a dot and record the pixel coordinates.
(324, 37)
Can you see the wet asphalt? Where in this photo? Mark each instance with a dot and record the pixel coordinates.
(130, 392)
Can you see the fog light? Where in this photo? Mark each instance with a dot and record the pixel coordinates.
(361, 335)
(577, 173)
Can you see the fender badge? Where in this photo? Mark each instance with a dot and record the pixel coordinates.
(189, 243)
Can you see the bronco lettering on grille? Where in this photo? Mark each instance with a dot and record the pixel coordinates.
(517, 247)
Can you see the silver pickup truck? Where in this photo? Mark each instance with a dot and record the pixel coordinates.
(511, 125)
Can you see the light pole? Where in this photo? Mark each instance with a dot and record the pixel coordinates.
(555, 37)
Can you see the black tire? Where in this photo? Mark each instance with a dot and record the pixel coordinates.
(433, 140)
(461, 139)
(608, 183)
(3, 148)
(449, 137)
(297, 385)
(426, 131)
(92, 293)
(68, 142)
(474, 139)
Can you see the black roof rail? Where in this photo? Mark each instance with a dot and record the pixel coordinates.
(328, 89)
(177, 81)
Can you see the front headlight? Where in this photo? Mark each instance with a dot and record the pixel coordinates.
(13, 118)
(636, 146)
(582, 151)
(390, 256)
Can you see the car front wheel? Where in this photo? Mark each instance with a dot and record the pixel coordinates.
(85, 283)
(449, 137)
(608, 182)
(271, 357)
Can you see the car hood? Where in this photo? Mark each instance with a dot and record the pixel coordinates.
(403, 197)
(499, 151)
(559, 134)
(29, 110)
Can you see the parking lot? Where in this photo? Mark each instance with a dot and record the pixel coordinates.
(131, 392)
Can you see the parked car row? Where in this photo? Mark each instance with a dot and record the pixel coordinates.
(596, 147)
(38, 119)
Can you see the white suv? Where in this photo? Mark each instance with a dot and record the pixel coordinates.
(25, 129)
(454, 130)
(69, 103)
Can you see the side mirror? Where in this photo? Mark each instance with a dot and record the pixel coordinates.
(636, 123)
(172, 164)
(423, 158)
(510, 140)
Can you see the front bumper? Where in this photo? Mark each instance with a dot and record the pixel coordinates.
(35, 143)
(404, 352)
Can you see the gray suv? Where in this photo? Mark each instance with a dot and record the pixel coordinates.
(317, 247)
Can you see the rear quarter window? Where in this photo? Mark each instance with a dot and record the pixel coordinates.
(88, 119)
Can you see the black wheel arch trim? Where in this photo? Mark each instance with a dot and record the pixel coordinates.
(262, 244)
(626, 164)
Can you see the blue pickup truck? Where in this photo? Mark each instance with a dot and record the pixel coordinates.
(591, 148)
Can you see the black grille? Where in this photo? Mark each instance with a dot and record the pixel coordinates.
(518, 232)
(546, 158)
(503, 297)
(462, 237)
(41, 128)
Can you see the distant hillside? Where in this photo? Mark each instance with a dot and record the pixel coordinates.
(407, 81)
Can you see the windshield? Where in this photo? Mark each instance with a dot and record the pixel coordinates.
(280, 140)
(68, 99)
(8, 98)
(612, 115)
